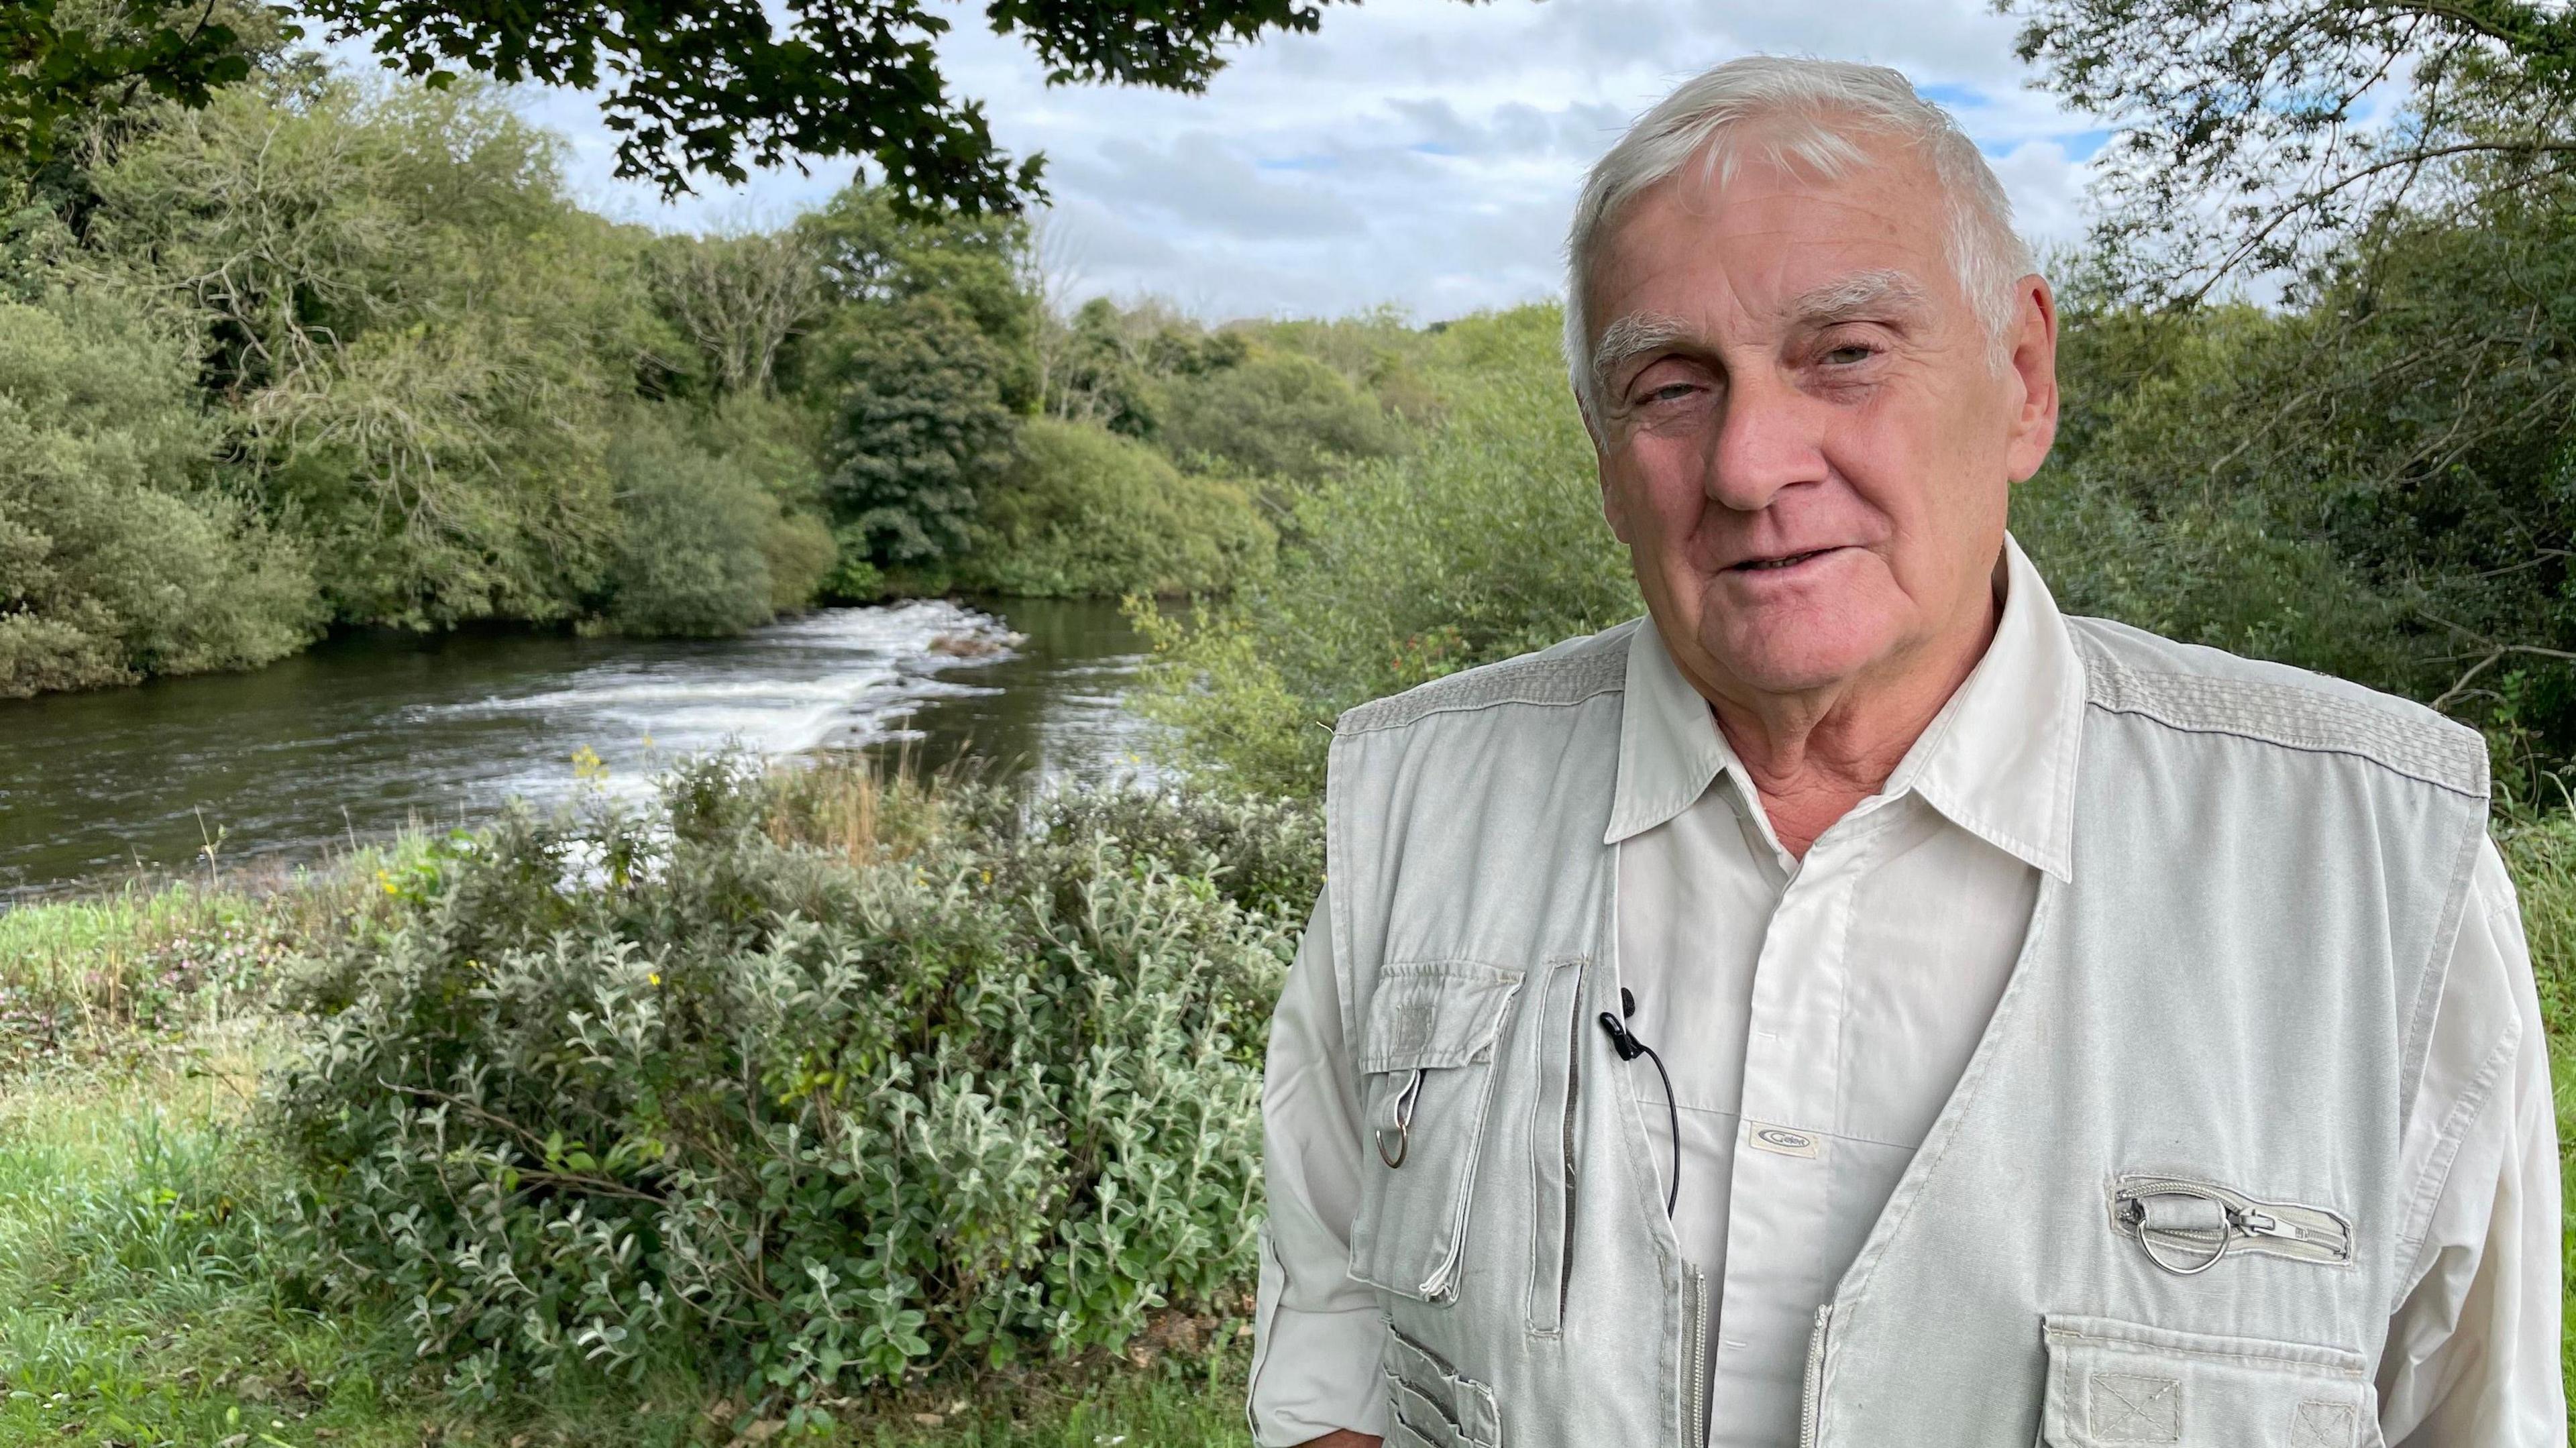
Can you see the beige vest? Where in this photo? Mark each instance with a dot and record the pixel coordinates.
(2163, 1204)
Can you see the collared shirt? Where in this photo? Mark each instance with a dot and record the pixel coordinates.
(1837, 998)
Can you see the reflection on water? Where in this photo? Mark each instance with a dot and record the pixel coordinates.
(366, 733)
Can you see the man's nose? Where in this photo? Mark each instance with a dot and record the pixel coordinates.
(1768, 440)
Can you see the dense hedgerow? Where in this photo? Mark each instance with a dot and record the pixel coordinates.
(825, 1083)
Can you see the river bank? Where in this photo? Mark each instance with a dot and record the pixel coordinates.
(375, 732)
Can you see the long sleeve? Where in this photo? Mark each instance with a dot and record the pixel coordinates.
(1315, 1356)
(2472, 1359)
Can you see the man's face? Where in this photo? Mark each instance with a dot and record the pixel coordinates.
(1805, 438)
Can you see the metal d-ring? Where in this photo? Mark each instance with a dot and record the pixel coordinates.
(1403, 1123)
(2227, 1229)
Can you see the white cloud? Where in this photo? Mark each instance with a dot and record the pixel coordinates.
(1421, 152)
(2047, 190)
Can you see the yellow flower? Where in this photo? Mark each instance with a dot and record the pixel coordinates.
(654, 978)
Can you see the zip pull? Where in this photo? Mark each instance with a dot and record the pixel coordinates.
(2186, 1226)
(2259, 1225)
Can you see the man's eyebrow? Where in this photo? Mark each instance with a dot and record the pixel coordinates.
(1632, 334)
(1857, 295)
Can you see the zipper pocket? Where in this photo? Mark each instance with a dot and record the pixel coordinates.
(2186, 1226)
(1555, 1063)
(1695, 1359)
(1573, 1087)
(1811, 1400)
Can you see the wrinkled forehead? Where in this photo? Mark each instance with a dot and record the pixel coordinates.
(1766, 242)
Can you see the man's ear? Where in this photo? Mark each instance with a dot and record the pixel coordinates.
(2034, 362)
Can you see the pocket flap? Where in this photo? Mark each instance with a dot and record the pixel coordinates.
(2113, 1383)
(1426, 1052)
(1434, 1014)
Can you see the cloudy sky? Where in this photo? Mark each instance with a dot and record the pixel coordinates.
(1416, 152)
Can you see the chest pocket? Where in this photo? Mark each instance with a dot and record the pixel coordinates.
(2115, 1384)
(1426, 1061)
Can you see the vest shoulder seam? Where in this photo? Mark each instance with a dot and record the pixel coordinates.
(2288, 715)
(1595, 666)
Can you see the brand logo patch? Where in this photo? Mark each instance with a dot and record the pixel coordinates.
(1786, 1142)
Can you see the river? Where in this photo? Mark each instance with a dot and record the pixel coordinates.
(367, 733)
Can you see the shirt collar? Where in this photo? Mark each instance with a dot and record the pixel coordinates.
(1998, 760)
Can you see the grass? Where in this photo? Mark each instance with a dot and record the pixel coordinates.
(160, 960)
(146, 1290)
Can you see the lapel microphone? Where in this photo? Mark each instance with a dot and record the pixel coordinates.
(1625, 1042)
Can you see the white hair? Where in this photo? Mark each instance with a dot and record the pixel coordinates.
(1817, 115)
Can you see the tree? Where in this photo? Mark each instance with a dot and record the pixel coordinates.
(699, 89)
(918, 424)
(124, 550)
(1275, 414)
(873, 252)
(1109, 360)
(739, 300)
(2264, 135)
(56, 68)
(2373, 475)
(416, 336)
(700, 539)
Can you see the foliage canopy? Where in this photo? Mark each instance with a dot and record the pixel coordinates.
(696, 90)
(2262, 135)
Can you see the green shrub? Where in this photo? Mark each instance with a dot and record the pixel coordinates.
(120, 553)
(826, 1083)
(1379, 349)
(801, 553)
(1275, 415)
(775, 443)
(2221, 572)
(702, 547)
(853, 579)
(1484, 542)
(1082, 512)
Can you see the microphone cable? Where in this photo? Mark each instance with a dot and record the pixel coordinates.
(1629, 1049)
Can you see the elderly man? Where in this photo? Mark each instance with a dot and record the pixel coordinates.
(1858, 1004)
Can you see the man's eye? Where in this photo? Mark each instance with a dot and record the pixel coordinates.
(1849, 354)
(1670, 392)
